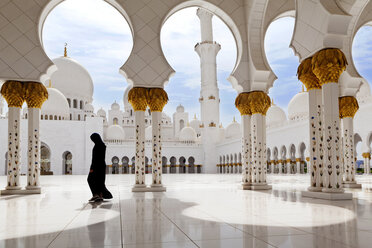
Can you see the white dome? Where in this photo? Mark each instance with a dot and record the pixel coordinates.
(115, 132)
(101, 112)
(233, 130)
(180, 109)
(72, 79)
(148, 133)
(56, 105)
(89, 108)
(275, 115)
(188, 134)
(298, 107)
(115, 106)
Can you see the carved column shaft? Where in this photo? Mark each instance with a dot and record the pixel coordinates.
(157, 100)
(348, 106)
(138, 97)
(242, 104)
(327, 65)
(13, 92)
(35, 95)
(315, 167)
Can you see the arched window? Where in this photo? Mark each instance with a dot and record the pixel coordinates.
(115, 121)
(78, 117)
(70, 116)
(42, 117)
(26, 116)
(55, 117)
(50, 117)
(46, 117)
(182, 124)
(81, 104)
(69, 102)
(75, 103)
(67, 163)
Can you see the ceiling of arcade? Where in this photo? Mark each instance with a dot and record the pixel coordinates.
(319, 24)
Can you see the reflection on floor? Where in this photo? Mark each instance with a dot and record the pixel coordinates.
(196, 211)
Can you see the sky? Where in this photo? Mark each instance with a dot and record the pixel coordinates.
(102, 45)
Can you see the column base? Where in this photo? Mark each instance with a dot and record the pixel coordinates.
(315, 189)
(351, 185)
(261, 187)
(20, 191)
(157, 188)
(139, 188)
(327, 195)
(245, 186)
(13, 187)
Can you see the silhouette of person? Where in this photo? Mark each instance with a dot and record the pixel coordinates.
(97, 173)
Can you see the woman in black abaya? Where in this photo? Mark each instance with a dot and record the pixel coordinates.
(97, 173)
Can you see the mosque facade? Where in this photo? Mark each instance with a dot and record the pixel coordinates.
(323, 126)
(68, 118)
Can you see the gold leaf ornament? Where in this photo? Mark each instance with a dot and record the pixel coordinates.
(157, 99)
(138, 97)
(35, 94)
(242, 103)
(348, 106)
(328, 64)
(306, 75)
(14, 93)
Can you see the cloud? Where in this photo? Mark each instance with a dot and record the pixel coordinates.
(103, 44)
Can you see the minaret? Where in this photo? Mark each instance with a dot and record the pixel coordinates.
(209, 99)
(207, 50)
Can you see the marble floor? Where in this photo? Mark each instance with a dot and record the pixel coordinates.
(196, 211)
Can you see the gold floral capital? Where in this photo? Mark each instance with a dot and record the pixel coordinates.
(259, 102)
(157, 99)
(14, 93)
(35, 94)
(366, 155)
(306, 75)
(298, 159)
(328, 64)
(242, 103)
(138, 97)
(348, 106)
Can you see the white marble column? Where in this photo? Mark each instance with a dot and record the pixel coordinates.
(280, 166)
(13, 92)
(138, 97)
(315, 168)
(156, 100)
(258, 132)
(242, 104)
(315, 163)
(14, 148)
(368, 166)
(289, 164)
(139, 118)
(272, 166)
(35, 95)
(298, 165)
(348, 106)
(156, 150)
(332, 181)
(33, 173)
